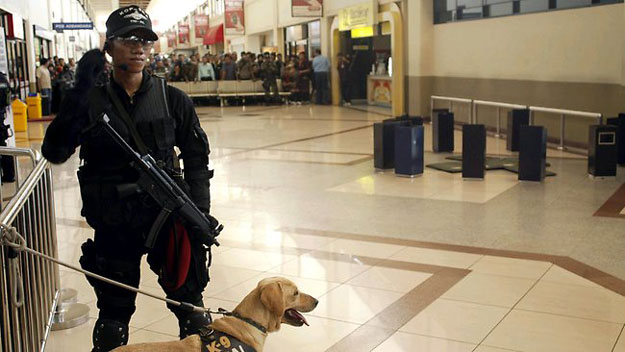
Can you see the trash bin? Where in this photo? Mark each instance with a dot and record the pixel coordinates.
(619, 122)
(532, 153)
(19, 115)
(408, 149)
(384, 144)
(602, 150)
(414, 120)
(442, 131)
(33, 101)
(473, 151)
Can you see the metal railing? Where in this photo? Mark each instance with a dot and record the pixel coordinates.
(563, 113)
(498, 105)
(453, 100)
(474, 103)
(26, 327)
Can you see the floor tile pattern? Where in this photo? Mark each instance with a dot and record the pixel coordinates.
(397, 264)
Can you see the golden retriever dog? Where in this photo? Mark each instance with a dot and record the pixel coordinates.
(274, 301)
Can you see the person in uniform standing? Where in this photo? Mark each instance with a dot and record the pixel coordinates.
(270, 73)
(144, 110)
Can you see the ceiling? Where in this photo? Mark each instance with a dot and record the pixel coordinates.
(164, 13)
(103, 9)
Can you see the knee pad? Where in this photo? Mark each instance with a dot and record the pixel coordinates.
(192, 322)
(108, 335)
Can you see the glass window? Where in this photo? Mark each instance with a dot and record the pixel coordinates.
(501, 9)
(458, 10)
(469, 13)
(469, 3)
(534, 5)
(563, 4)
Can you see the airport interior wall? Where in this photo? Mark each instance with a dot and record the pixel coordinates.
(571, 59)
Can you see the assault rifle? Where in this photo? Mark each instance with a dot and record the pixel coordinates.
(172, 199)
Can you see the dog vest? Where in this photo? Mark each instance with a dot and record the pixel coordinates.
(217, 341)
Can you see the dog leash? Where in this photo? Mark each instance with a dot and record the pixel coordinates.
(10, 237)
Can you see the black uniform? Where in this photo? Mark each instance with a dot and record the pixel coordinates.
(164, 117)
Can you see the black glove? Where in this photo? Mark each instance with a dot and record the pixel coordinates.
(216, 228)
(90, 66)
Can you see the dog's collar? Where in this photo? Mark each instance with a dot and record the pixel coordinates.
(249, 321)
(236, 315)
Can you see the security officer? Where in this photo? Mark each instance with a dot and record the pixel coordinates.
(163, 117)
(270, 73)
(7, 163)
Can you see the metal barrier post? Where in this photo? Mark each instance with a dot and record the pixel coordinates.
(562, 127)
(31, 212)
(498, 133)
(473, 113)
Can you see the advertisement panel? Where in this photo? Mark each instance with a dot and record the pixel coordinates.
(183, 34)
(234, 18)
(201, 25)
(306, 8)
(358, 16)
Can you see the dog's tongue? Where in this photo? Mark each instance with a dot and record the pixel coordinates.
(296, 315)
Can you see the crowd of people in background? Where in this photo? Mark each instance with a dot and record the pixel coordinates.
(297, 73)
(54, 78)
(303, 78)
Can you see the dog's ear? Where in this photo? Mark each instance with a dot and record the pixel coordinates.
(272, 298)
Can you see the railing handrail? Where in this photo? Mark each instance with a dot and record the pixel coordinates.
(562, 112)
(33, 154)
(459, 100)
(16, 203)
(593, 115)
(499, 105)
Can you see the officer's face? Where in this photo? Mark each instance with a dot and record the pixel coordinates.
(128, 54)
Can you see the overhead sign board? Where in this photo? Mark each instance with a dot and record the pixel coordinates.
(358, 16)
(61, 26)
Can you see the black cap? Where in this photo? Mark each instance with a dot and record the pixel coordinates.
(127, 19)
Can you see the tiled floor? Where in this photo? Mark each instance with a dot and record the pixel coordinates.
(427, 264)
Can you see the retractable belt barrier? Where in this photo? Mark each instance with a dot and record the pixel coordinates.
(474, 104)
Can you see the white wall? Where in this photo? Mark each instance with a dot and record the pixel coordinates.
(419, 29)
(578, 45)
(260, 16)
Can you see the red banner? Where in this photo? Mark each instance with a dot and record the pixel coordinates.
(306, 8)
(234, 17)
(183, 34)
(201, 25)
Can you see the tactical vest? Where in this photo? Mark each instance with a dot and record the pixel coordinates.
(217, 341)
(107, 168)
(152, 120)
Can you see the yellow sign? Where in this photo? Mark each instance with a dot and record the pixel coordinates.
(362, 32)
(358, 16)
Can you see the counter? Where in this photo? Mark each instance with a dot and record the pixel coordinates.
(379, 90)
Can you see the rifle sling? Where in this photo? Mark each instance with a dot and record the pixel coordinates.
(121, 111)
